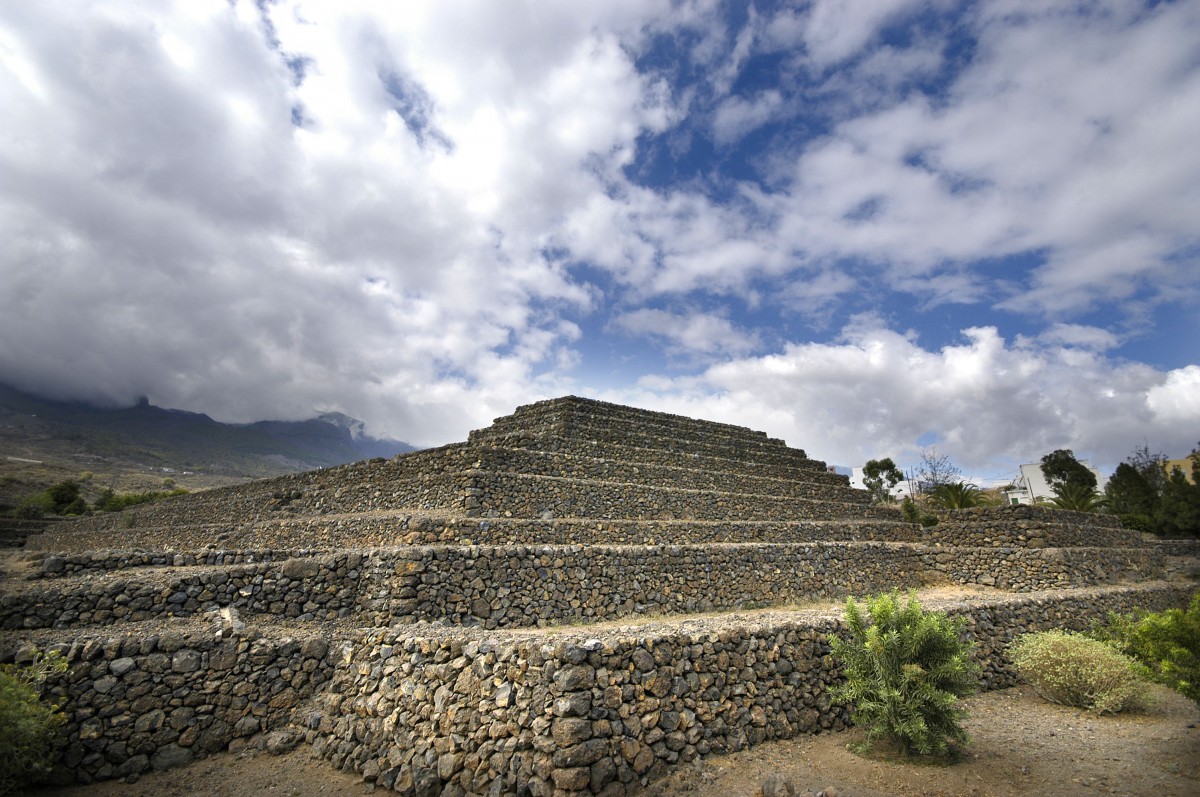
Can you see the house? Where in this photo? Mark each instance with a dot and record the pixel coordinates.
(1031, 485)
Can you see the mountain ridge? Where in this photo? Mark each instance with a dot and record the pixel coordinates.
(147, 438)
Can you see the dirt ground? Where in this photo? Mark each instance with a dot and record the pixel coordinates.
(1021, 745)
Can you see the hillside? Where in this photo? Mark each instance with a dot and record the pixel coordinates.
(136, 448)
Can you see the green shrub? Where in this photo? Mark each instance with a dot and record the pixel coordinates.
(1075, 670)
(914, 514)
(1167, 643)
(108, 501)
(905, 671)
(28, 726)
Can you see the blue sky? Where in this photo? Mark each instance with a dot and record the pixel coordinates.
(863, 227)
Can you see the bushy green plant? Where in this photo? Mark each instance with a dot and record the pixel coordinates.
(1167, 643)
(1077, 498)
(914, 514)
(905, 669)
(108, 501)
(28, 725)
(959, 495)
(1075, 670)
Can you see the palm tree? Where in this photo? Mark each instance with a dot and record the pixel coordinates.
(959, 495)
(1077, 498)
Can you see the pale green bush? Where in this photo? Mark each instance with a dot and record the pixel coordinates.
(1074, 670)
(28, 725)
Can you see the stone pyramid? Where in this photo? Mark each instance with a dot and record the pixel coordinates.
(433, 621)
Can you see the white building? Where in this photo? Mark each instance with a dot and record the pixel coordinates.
(902, 490)
(1031, 485)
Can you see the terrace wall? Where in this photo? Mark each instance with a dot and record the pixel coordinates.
(608, 714)
(518, 585)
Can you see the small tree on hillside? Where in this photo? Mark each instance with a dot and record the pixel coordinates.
(879, 477)
(936, 469)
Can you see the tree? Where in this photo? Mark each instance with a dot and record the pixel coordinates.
(1152, 466)
(905, 670)
(1061, 468)
(959, 495)
(935, 469)
(1179, 509)
(1076, 498)
(879, 477)
(1132, 498)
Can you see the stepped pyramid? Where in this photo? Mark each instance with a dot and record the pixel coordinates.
(389, 610)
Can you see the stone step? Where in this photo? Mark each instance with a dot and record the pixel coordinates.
(640, 455)
(570, 465)
(632, 434)
(566, 411)
(547, 497)
(519, 585)
(522, 711)
(290, 538)
(526, 585)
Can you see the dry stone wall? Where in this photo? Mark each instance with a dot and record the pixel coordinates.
(622, 452)
(419, 710)
(518, 495)
(1031, 527)
(149, 701)
(325, 588)
(518, 585)
(606, 469)
(297, 536)
(607, 714)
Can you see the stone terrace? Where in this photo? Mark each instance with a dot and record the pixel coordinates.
(370, 607)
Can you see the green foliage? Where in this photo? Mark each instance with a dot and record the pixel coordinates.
(959, 495)
(1132, 498)
(63, 498)
(1147, 498)
(33, 507)
(28, 726)
(905, 670)
(1178, 512)
(879, 477)
(914, 514)
(1077, 498)
(116, 502)
(1061, 468)
(1167, 643)
(1075, 670)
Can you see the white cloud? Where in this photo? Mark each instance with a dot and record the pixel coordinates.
(986, 401)
(1079, 335)
(737, 117)
(1177, 401)
(838, 29)
(693, 334)
(171, 233)
(412, 255)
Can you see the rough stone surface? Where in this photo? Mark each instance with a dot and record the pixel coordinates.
(385, 611)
